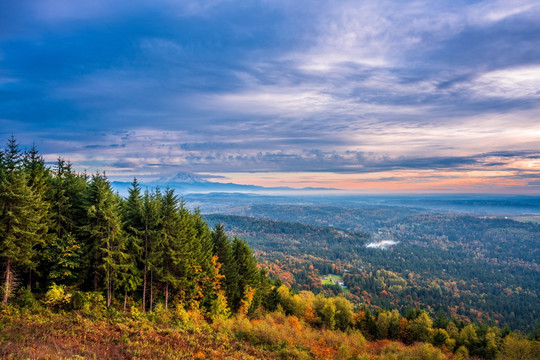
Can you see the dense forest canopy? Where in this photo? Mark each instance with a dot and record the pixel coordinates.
(482, 268)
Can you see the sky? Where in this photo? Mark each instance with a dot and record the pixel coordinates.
(367, 96)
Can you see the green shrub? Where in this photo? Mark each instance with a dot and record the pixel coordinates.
(419, 351)
(136, 313)
(57, 297)
(91, 303)
(180, 316)
(94, 303)
(78, 298)
(26, 299)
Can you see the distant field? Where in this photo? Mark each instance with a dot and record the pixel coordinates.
(331, 279)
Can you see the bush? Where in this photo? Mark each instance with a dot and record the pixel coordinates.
(95, 303)
(91, 303)
(420, 351)
(26, 299)
(181, 316)
(78, 298)
(159, 315)
(57, 297)
(426, 352)
(135, 312)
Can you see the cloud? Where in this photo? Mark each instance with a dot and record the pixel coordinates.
(232, 87)
(521, 82)
(382, 245)
(485, 13)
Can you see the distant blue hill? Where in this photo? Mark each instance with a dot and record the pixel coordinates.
(190, 183)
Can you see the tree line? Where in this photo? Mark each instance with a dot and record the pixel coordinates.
(61, 227)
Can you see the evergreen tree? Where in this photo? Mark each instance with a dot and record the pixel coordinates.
(189, 263)
(38, 175)
(210, 279)
(34, 165)
(152, 222)
(248, 274)
(133, 222)
(60, 200)
(64, 258)
(421, 328)
(63, 253)
(12, 155)
(223, 250)
(166, 253)
(3, 166)
(22, 219)
(106, 241)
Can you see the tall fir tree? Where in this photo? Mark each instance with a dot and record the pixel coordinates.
(60, 200)
(210, 282)
(22, 220)
(38, 179)
(249, 277)
(153, 218)
(223, 250)
(134, 226)
(63, 260)
(2, 165)
(106, 242)
(63, 254)
(166, 254)
(194, 266)
(12, 155)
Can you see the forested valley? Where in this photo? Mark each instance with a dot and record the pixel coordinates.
(87, 273)
(475, 269)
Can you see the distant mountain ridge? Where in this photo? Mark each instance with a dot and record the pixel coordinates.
(183, 178)
(187, 182)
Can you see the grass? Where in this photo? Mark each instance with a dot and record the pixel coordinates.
(331, 279)
(43, 334)
(71, 335)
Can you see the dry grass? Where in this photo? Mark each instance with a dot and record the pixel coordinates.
(72, 336)
(42, 334)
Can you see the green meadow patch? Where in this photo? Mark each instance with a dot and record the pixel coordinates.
(331, 279)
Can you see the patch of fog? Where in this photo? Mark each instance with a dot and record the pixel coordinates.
(385, 244)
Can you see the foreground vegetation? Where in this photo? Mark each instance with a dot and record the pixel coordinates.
(31, 329)
(89, 274)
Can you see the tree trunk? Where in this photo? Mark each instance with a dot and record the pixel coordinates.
(145, 266)
(30, 280)
(151, 290)
(8, 281)
(108, 292)
(125, 300)
(108, 268)
(96, 280)
(144, 290)
(166, 295)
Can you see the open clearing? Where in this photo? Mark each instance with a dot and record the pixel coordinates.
(331, 279)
